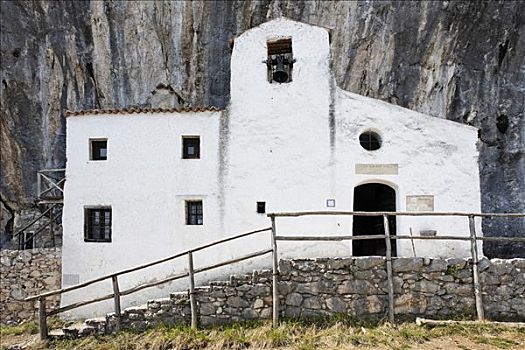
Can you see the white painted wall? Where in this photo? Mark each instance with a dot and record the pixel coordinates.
(274, 143)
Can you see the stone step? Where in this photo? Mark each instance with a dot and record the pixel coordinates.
(99, 323)
(179, 295)
(139, 316)
(79, 330)
(57, 333)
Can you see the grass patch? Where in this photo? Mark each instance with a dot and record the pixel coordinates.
(23, 328)
(338, 332)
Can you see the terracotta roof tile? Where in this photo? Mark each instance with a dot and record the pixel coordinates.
(136, 110)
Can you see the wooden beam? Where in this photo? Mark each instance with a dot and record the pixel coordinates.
(365, 237)
(140, 267)
(38, 185)
(232, 261)
(154, 283)
(30, 224)
(52, 183)
(116, 301)
(390, 278)
(79, 304)
(424, 321)
(42, 318)
(275, 276)
(193, 301)
(224, 240)
(50, 188)
(327, 238)
(475, 273)
(51, 170)
(394, 213)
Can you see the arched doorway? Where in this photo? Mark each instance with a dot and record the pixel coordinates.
(373, 197)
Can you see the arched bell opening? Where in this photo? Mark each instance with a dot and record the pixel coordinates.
(373, 197)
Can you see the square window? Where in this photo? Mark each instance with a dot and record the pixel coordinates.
(191, 147)
(194, 213)
(261, 207)
(97, 224)
(98, 149)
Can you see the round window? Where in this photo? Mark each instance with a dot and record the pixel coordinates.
(370, 140)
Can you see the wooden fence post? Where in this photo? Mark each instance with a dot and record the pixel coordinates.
(275, 276)
(38, 184)
(42, 315)
(116, 300)
(389, 270)
(193, 302)
(51, 225)
(475, 273)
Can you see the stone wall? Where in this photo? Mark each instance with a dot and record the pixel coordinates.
(355, 286)
(25, 273)
(422, 287)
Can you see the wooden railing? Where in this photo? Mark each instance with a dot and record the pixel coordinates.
(43, 313)
(52, 212)
(50, 185)
(473, 238)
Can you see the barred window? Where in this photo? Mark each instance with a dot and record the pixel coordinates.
(194, 213)
(97, 224)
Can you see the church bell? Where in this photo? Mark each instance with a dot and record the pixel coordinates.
(280, 74)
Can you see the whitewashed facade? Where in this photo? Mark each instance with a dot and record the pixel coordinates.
(294, 146)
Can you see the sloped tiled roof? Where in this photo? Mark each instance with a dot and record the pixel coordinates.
(142, 110)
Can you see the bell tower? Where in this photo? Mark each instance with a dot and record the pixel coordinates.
(278, 118)
(280, 62)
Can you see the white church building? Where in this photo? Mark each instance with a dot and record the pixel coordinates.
(144, 184)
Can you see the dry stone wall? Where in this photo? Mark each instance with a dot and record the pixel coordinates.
(354, 286)
(25, 273)
(422, 287)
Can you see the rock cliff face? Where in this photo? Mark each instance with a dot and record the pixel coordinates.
(462, 61)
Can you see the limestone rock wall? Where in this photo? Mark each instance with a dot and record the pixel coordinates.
(25, 273)
(458, 60)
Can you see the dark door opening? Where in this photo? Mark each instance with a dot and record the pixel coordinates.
(373, 197)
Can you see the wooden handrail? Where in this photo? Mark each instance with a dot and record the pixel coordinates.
(393, 213)
(156, 283)
(365, 237)
(140, 267)
(34, 220)
(53, 184)
(274, 238)
(51, 170)
(473, 238)
(60, 182)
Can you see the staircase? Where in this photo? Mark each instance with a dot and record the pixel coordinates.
(44, 229)
(243, 297)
